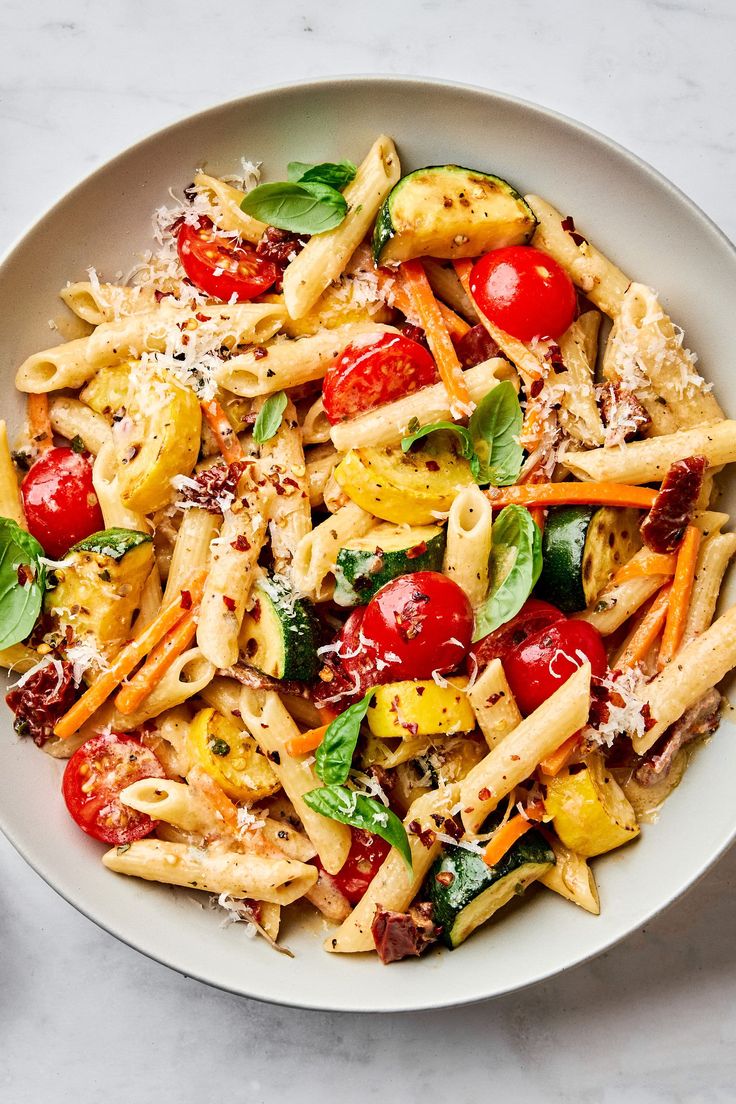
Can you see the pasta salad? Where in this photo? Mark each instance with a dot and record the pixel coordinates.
(359, 550)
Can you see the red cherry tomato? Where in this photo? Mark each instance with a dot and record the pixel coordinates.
(373, 371)
(524, 291)
(366, 855)
(93, 780)
(351, 667)
(221, 267)
(546, 660)
(59, 500)
(419, 624)
(533, 615)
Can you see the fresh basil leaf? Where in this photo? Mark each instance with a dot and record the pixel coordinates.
(77, 444)
(515, 566)
(20, 602)
(269, 417)
(361, 811)
(466, 441)
(334, 174)
(334, 756)
(494, 428)
(309, 208)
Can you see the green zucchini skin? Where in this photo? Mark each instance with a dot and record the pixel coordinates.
(582, 546)
(282, 637)
(114, 543)
(477, 890)
(361, 571)
(449, 211)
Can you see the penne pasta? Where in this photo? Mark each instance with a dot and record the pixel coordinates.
(468, 547)
(71, 418)
(649, 460)
(494, 704)
(316, 553)
(97, 303)
(579, 412)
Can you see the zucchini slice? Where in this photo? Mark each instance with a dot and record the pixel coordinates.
(364, 564)
(115, 543)
(582, 547)
(448, 211)
(475, 890)
(280, 634)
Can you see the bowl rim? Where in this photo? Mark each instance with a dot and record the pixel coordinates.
(317, 84)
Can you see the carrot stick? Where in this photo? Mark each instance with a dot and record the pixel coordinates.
(570, 494)
(560, 758)
(306, 741)
(682, 588)
(219, 423)
(650, 563)
(388, 284)
(39, 422)
(505, 838)
(646, 632)
(160, 659)
(127, 658)
(416, 284)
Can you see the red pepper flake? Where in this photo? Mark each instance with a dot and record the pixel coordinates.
(484, 794)
(445, 877)
(495, 697)
(255, 613)
(568, 225)
(536, 388)
(259, 352)
(432, 465)
(241, 543)
(417, 550)
(24, 573)
(228, 602)
(202, 317)
(452, 828)
(426, 836)
(186, 600)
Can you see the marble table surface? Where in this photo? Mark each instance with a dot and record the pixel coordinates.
(85, 1018)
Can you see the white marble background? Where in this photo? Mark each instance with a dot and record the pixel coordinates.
(84, 1018)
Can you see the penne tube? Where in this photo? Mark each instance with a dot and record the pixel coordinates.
(316, 553)
(714, 557)
(172, 802)
(260, 878)
(226, 213)
(10, 500)
(579, 413)
(71, 418)
(603, 283)
(393, 888)
(290, 362)
(388, 424)
(97, 303)
(494, 704)
(268, 721)
(572, 878)
(521, 751)
(648, 461)
(325, 256)
(191, 549)
(468, 546)
(316, 426)
(150, 601)
(699, 665)
(105, 482)
(321, 462)
(620, 601)
(290, 514)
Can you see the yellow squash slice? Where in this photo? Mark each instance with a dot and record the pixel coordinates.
(420, 708)
(590, 811)
(231, 756)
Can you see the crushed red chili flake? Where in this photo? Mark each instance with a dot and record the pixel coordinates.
(228, 602)
(536, 388)
(25, 574)
(484, 794)
(452, 828)
(664, 526)
(259, 352)
(255, 612)
(568, 224)
(44, 697)
(476, 346)
(425, 836)
(496, 697)
(417, 550)
(445, 877)
(241, 543)
(432, 466)
(186, 600)
(212, 484)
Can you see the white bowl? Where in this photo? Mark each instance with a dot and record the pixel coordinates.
(653, 233)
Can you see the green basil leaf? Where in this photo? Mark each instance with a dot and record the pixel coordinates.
(300, 208)
(20, 603)
(269, 417)
(77, 444)
(466, 441)
(334, 756)
(334, 174)
(494, 428)
(361, 811)
(515, 566)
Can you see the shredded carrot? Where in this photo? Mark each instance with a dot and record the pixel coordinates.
(415, 283)
(306, 741)
(214, 794)
(682, 588)
(127, 659)
(570, 494)
(327, 713)
(160, 659)
(39, 422)
(647, 629)
(219, 423)
(505, 838)
(649, 563)
(560, 758)
(388, 284)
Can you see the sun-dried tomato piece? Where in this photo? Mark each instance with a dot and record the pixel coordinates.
(398, 934)
(623, 415)
(280, 246)
(476, 346)
(42, 699)
(664, 526)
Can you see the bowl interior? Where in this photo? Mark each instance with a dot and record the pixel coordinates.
(654, 234)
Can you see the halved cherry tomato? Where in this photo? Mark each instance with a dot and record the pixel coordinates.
(221, 267)
(364, 859)
(546, 660)
(418, 624)
(533, 616)
(93, 780)
(375, 370)
(59, 500)
(524, 291)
